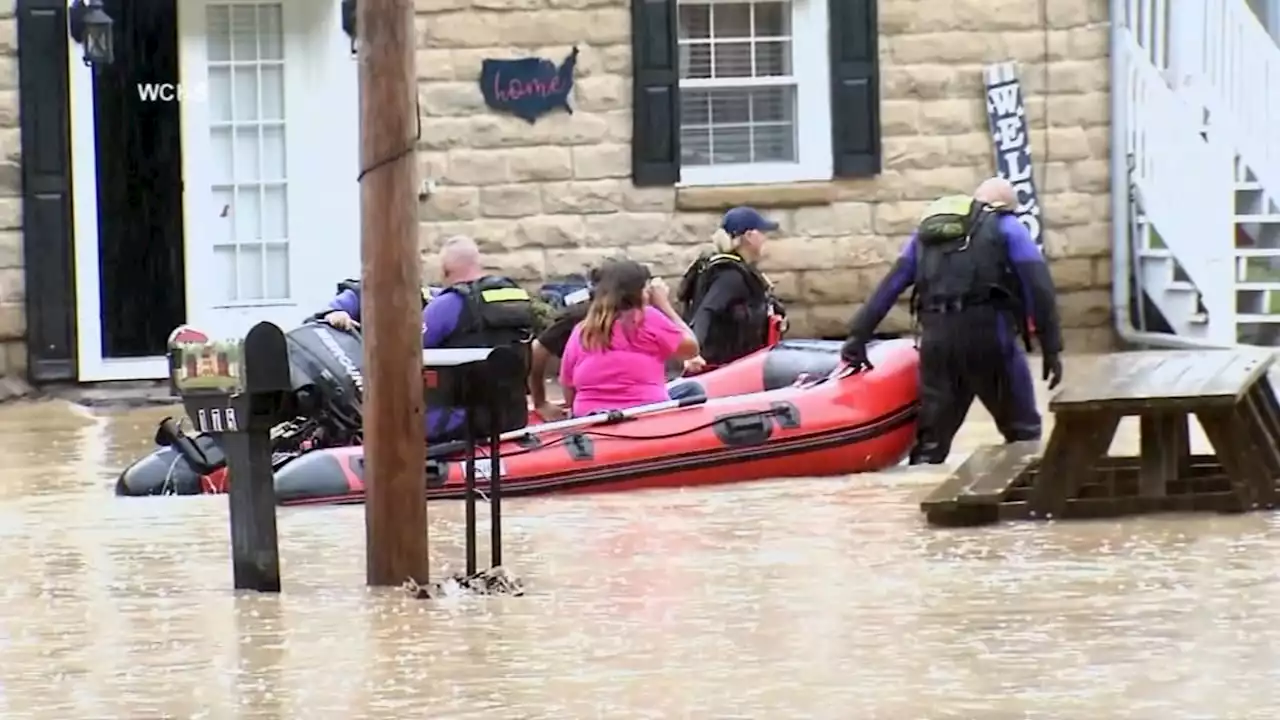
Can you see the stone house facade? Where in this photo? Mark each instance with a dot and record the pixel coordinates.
(558, 195)
(13, 351)
(552, 197)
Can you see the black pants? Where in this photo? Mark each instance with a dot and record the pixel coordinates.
(967, 354)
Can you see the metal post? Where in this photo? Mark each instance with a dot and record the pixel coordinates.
(471, 493)
(495, 486)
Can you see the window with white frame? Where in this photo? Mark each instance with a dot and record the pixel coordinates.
(754, 91)
(247, 139)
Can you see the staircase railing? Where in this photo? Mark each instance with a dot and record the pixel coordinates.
(1185, 181)
(1222, 56)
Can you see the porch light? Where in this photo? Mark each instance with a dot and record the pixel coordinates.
(349, 22)
(91, 27)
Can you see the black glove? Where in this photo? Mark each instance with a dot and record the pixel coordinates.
(854, 352)
(1052, 370)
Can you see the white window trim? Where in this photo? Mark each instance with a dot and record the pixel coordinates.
(811, 68)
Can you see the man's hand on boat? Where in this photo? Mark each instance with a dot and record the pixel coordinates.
(854, 352)
(694, 365)
(551, 412)
(341, 320)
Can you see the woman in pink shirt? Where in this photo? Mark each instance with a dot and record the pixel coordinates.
(616, 357)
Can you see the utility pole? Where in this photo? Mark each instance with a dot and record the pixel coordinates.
(395, 452)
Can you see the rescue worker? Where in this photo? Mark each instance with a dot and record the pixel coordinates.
(726, 300)
(978, 277)
(474, 309)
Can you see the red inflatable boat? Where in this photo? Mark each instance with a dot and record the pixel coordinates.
(166, 471)
(779, 413)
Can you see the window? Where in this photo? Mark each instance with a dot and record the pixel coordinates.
(740, 83)
(247, 137)
(743, 91)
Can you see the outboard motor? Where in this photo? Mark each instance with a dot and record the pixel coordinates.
(326, 365)
(328, 382)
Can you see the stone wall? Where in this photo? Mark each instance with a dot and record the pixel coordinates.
(13, 351)
(555, 196)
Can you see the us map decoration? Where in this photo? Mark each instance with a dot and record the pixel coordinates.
(529, 87)
(1007, 119)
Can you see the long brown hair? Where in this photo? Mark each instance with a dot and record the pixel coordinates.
(619, 293)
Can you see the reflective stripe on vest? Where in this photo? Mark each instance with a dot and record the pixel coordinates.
(497, 295)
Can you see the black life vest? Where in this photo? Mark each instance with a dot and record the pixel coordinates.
(744, 327)
(497, 312)
(962, 261)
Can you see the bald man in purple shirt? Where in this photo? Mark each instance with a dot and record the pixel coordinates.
(475, 309)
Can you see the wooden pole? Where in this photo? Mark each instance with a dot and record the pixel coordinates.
(395, 454)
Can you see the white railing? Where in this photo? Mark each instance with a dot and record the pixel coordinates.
(1186, 182)
(1218, 54)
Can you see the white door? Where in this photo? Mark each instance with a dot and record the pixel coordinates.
(272, 202)
(91, 364)
(269, 152)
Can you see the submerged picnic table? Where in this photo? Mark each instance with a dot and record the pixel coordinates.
(1228, 391)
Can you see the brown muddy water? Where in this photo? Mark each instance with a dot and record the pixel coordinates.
(808, 599)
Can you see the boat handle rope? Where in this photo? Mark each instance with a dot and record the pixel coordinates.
(843, 370)
(590, 431)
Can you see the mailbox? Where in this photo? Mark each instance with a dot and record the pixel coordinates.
(464, 378)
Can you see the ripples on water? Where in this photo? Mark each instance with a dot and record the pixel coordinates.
(800, 599)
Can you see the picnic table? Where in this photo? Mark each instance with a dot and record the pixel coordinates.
(1229, 392)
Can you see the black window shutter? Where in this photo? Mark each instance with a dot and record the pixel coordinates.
(655, 133)
(44, 109)
(855, 88)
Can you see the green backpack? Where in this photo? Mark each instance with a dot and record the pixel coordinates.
(948, 218)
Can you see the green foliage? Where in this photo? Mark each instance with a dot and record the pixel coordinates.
(543, 313)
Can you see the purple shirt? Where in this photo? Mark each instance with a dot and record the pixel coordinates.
(348, 301)
(439, 321)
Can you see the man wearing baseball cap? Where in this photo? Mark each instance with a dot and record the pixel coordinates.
(726, 300)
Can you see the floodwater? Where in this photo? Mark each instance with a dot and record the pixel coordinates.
(807, 599)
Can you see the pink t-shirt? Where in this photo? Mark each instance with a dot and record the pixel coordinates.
(631, 372)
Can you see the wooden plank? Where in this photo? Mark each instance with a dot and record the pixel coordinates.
(1264, 398)
(1096, 508)
(983, 475)
(1165, 451)
(391, 316)
(993, 469)
(1232, 445)
(1245, 370)
(1104, 373)
(943, 497)
(1266, 389)
(1070, 458)
(1134, 382)
(1264, 425)
(255, 548)
(1254, 415)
